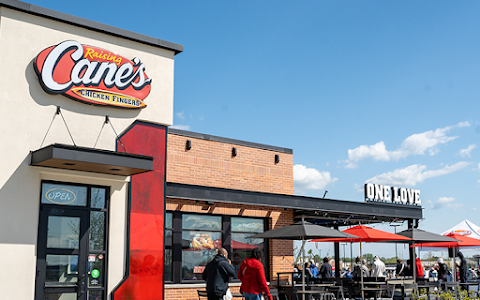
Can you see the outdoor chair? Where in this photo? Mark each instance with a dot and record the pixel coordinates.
(288, 294)
(453, 286)
(409, 289)
(202, 294)
(274, 293)
(327, 296)
(338, 290)
(389, 293)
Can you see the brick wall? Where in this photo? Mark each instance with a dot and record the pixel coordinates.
(210, 163)
(281, 251)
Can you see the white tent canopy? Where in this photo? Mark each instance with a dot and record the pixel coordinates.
(465, 228)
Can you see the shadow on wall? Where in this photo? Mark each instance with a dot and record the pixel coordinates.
(19, 206)
(20, 200)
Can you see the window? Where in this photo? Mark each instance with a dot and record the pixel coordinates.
(192, 240)
(241, 245)
(167, 268)
(201, 236)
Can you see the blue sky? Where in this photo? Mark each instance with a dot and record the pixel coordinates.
(362, 91)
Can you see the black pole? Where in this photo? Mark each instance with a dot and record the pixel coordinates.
(412, 251)
(337, 258)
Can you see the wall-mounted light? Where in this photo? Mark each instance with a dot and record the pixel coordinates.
(188, 145)
(277, 159)
(234, 152)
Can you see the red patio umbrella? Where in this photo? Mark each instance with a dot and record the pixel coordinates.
(463, 241)
(366, 234)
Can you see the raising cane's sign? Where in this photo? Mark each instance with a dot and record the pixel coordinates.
(92, 75)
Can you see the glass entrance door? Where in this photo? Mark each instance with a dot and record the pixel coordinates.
(61, 266)
(71, 248)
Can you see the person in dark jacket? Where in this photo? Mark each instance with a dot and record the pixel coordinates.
(463, 267)
(252, 275)
(399, 271)
(442, 269)
(326, 269)
(217, 274)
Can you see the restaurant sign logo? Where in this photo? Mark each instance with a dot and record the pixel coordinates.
(462, 232)
(393, 194)
(92, 75)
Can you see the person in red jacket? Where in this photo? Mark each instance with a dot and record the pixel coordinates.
(420, 273)
(252, 275)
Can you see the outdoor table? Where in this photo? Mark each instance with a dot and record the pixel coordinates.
(373, 283)
(320, 284)
(425, 286)
(237, 295)
(374, 290)
(311, 293)
(468, 284)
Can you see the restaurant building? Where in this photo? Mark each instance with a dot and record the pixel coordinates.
(99, 199)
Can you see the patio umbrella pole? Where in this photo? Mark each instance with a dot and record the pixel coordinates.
(414, 263)
(361, 270)
(351, 257)
(454, 275)
(303, 269)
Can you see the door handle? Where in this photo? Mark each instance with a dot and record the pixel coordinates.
(82, 285)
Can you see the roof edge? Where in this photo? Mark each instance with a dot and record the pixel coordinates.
(214, 138)
(91, 25)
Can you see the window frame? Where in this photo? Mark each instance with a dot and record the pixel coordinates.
(89, 209)
(226, 235)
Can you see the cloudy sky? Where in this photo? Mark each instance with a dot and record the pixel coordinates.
(378, 91)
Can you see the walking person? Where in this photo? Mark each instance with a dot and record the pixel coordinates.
(217, 273)
(252, 275)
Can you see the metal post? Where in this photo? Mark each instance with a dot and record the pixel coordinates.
(395, 228)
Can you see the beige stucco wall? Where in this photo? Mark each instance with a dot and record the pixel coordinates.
(25, 115)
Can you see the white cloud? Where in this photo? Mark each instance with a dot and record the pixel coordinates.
(413, 174)
(310, 179)
(181, 115)
(358, 187)
(447, 202)
(466, 151)
(182, 127)
(416, 144)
